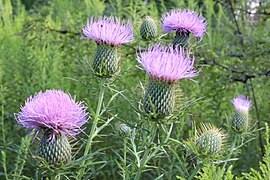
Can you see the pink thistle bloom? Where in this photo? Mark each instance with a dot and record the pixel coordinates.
(241, 103)
(108, 30)
(185, 21)
(167, 64)
(53, 111)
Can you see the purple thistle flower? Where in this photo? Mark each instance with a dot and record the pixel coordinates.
(167, 64)
(185, 21)
(54, 111)
(108, 30)
(241, 103)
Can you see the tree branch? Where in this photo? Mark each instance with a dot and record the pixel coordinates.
(243, 76)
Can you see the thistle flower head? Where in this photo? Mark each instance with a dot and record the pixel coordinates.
(185, 21)
(167, 64)
(209, 139)
(53, 111)
(241, 103)
(108, 30)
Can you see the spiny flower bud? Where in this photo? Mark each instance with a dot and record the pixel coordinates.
(159, 98)
(209, 139)
(240, 120)
(123, 129)
(148, 29)
(106, 62)
(56, 151)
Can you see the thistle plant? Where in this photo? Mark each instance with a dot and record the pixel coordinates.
(183, 23)
(209, 139)
(240, 120)
(143, 149)
(108, 33)
(148, 29)
(57, 117)
(164, 66)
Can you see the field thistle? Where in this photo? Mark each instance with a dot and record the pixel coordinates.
(183, 22)
(164, 66)
(148, 29)
(240, 118)
(108, 33)
(56, 115)
(209, 139)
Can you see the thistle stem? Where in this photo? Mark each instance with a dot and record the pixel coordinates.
(93, 128)
(3, 153)
(198, 168)
(125, 159)
(2, 119)
(232, 150)
(144, 159)
(56, 176)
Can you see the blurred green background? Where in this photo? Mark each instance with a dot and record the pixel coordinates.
(41, 47)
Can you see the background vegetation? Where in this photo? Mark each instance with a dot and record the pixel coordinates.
(41, 47)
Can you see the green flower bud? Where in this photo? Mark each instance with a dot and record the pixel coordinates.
(148, 29)
(209, 139)
(123, 129)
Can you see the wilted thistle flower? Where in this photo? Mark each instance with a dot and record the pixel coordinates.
(58, 116)
(148, 29)
(209, 139)
(240, 118)
(164, 66)
(108, 33)
(183, 22)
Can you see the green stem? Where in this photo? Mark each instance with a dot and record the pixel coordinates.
(3, 153)
(93, 129)
(2, 118)
(125, 159)
(20, 162)
(144, 160)
(198, 168)
(234, 144)
(56, 176)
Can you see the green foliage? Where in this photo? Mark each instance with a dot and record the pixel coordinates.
(264, 166)
(41, 47)
(212, 172)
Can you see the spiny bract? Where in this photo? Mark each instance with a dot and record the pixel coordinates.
(148, 29)
(209, 139)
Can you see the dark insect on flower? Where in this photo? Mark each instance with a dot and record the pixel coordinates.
(108, 33)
